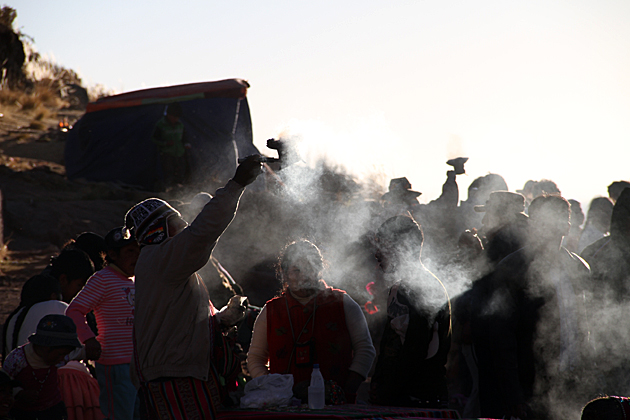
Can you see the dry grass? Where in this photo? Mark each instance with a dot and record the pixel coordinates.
(33, 108)
(9, 97)
(37, 125)
(29, 102)
(41, 114)
(46, 95)
(37, 98)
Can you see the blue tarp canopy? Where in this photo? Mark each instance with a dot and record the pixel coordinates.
(112, 141)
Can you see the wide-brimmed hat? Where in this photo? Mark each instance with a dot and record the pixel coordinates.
(504, 202)
(55, 331)
(400, 187)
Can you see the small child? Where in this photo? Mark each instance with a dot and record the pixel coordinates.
(33, 365)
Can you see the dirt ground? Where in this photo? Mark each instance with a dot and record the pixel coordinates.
(41, 209)
(16, 267)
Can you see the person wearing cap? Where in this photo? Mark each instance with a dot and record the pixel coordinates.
(110, 294)
(34, 366)
(7, 384)
(175, 336)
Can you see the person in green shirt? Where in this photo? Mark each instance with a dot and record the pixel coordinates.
(168, 136)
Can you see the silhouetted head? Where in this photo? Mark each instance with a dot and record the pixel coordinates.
(479, 190)
(607, 408)
(72, 268)
(545, 186)
(599, 213)
(616, 188)
(122, 250)
(528, 190)
(400, 191)
(174, 110)
(549, 219)
(153, 221)
(55, 337)
(92, 244)
(399, 241)
(502, 207)
(40, 288)
(620, 219)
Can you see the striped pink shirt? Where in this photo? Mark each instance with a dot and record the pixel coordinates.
(111, 296)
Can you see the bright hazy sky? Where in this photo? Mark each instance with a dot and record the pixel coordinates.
(527, 89)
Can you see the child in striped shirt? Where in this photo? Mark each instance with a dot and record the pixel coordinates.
(110, 294)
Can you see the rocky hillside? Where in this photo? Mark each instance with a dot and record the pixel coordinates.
(41, 209)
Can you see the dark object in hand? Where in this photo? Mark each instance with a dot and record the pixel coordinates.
(458, 164)
(275, 144)
(248, 170)
(272, 144)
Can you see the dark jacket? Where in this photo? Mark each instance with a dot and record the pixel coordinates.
(609, 257)
(506, 240)
(517, 326)
(413, 373)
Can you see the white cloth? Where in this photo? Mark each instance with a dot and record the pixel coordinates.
(362, 348)
(34, 315)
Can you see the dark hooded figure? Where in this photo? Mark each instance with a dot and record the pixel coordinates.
(527, 330)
